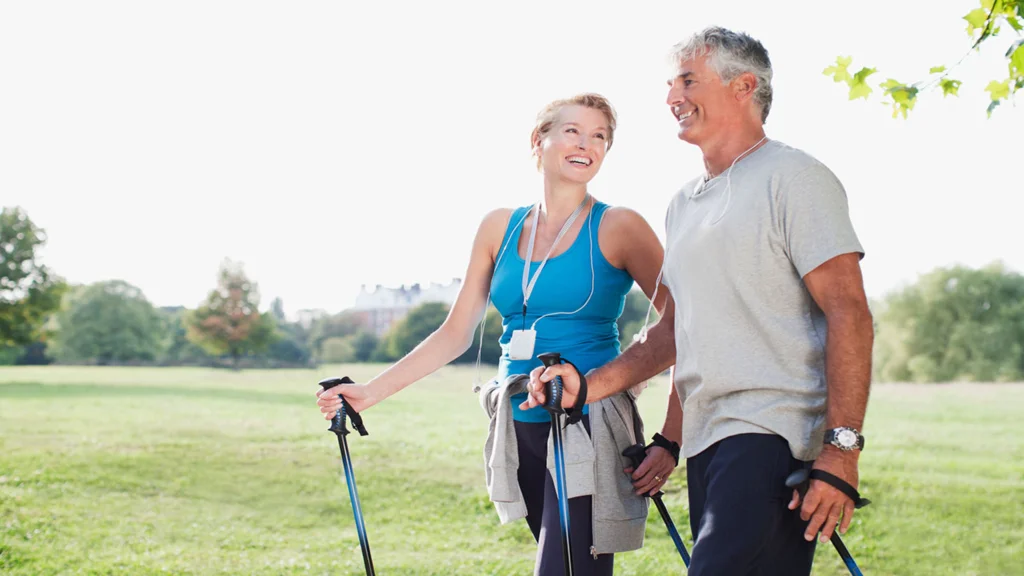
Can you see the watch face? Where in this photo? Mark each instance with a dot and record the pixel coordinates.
(847, 438)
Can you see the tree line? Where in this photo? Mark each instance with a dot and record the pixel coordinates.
(954, 323)
(44, 320)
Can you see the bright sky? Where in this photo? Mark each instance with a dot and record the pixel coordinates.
(332, 144)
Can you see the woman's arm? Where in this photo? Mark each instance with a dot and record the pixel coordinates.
(629, 243)
(449, 341)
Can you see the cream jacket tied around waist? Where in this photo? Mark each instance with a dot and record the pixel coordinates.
(594, 464)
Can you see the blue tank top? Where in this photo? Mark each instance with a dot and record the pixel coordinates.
(588, 338)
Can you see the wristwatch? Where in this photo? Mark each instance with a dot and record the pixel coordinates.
(845, 438)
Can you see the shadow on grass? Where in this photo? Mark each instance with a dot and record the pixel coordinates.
(32, 390)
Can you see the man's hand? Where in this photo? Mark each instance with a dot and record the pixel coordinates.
(541, 375)
(823, 504)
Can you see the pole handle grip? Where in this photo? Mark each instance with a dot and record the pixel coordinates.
(636, 454)
(553, 389)
(553, 393)
(338, 422)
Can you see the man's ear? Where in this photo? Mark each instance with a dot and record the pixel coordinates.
(744, 86)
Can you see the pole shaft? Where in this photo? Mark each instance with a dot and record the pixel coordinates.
(563, 497)
(671, 529)
(357, 510)
(845, 554)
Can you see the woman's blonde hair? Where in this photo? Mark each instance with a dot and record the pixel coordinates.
(546, 118)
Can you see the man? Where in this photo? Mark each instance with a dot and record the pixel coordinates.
(768, 329)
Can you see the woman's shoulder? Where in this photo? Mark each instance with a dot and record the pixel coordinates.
(498, 216)
(498, 220)
(621, 219)
(495, 225)
(622, 229)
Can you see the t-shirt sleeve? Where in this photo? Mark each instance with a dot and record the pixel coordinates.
(668, 220)
(678, 199)
(815, 219)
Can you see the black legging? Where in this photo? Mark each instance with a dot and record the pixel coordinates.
(538, 489)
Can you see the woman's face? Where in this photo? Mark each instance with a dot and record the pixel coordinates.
(574, 147)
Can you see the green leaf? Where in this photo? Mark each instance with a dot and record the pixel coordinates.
(997, 7)
(904, 94)
(976, 20)
(998, 90)
(902, 108)
(860, 91)
(937, 70)
(863, 74)
(950, 86)
(904, 97)
(1017, 61)
(889, 84)
(859, 88)
(992, 106)
(1014, 23)
(839, 71)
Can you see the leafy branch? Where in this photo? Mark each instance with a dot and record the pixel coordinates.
(983, 24)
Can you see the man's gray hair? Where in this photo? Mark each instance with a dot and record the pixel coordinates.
(730, 54)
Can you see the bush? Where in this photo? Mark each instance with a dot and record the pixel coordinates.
(337, 350)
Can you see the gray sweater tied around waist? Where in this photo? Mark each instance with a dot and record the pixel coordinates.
(594, 464)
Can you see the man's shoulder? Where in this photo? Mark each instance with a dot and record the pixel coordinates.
(684, 192)
(790, 161)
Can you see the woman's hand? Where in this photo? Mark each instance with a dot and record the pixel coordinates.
(653, 472)
(359, 396)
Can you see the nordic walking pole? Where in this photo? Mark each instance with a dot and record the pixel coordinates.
(553, 404)
(636, 455)
(800, 480)
(338, 427)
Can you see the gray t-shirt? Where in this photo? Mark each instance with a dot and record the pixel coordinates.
(750, 340)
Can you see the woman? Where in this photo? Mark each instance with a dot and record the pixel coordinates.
(583, 258)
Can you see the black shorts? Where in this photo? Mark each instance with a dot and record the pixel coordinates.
(738, 510)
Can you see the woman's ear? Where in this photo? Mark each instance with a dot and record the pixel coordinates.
(537, 146)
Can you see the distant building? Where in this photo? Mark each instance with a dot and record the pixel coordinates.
(381, 308)
(306, 317)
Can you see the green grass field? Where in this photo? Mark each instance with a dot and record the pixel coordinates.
(192, 471)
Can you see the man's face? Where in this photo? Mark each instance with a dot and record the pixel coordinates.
(700, 102)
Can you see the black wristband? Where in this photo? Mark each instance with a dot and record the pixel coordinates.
(662, 442)
(842, 485)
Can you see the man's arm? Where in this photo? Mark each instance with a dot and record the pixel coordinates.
(837, 288)
(639, 362)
